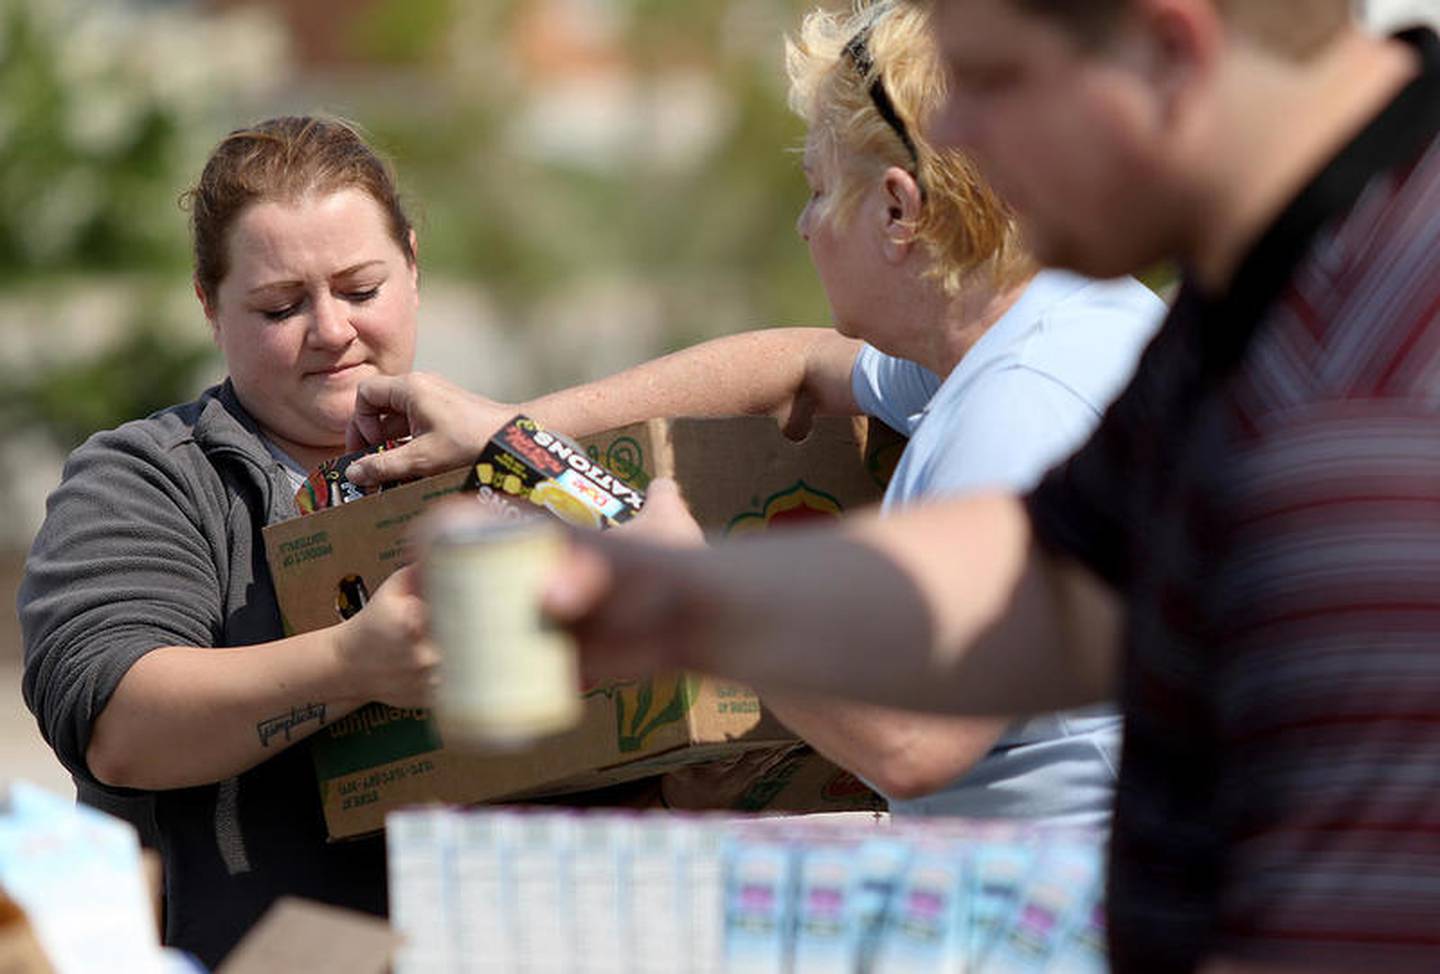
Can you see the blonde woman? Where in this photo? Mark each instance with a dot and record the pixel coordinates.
(943, 327)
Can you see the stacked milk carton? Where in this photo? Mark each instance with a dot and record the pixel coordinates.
(541, 892)
(76, 873)
(489, 891)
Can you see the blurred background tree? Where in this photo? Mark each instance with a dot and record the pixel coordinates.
(595, 181)
(634, 146)
(103, 109)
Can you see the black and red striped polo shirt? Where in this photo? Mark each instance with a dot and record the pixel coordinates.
(1266, 498)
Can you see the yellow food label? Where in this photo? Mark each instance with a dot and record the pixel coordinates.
(563, 505)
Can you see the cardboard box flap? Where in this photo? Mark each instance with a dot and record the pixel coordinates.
(298, 936)
(328, 551)
(629, 729)
(741, 473)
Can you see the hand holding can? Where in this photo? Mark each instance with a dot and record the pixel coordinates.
(509, 676)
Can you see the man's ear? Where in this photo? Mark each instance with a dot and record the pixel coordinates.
(903, 205)
(1177, 48)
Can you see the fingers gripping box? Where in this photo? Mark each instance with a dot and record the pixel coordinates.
(739, 475)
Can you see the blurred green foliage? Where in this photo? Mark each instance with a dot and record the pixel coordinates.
(78, 191)
(527, 225)
(144, 370)
(101, 107)
(400, 31)
(97, 141)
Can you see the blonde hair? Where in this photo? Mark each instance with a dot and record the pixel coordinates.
(963, 224)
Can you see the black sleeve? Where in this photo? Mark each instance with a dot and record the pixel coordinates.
(1090, 506)
(1073, 510)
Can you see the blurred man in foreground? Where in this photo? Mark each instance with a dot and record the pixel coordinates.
(1247, 552)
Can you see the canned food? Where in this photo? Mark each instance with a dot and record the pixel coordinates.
(508, 675)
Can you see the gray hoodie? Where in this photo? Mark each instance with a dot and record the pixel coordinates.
(153, 539)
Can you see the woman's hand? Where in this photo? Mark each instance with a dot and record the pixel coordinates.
(385, 649)
(185, 715)
(449, 426)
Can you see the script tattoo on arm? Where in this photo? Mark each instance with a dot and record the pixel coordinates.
(272, 727)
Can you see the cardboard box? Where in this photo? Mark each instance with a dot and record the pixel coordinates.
(739, 475)
(787, 779)
(20, 951)
(297, 936)
(810, 783)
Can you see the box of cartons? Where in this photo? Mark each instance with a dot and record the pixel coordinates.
(739, 475)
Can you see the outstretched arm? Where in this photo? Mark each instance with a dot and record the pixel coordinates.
(792, 373)
(901, 754)
(950, 607)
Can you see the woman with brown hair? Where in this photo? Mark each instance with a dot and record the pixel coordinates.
(155, 658)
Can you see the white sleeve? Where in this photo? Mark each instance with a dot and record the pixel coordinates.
(893, 390)
(1013, 425)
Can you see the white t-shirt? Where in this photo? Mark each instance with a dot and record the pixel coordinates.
(1027, 395)
(294, 472)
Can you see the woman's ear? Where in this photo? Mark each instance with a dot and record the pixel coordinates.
(207, 309)
(414, 260)
(903, 206)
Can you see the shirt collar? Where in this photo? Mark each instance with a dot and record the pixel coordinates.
(294, 472)
(1048, 287)
(1393, 138)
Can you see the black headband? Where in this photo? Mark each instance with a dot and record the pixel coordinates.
(858, 51)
